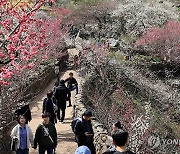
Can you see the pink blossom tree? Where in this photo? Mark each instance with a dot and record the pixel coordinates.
(25, 39)
(163, 42)
(28, 38)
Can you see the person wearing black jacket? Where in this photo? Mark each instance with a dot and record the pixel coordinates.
(48, 106)
(120, 139)
(72, 85)
(46, 136)
(24, 110)
(61, 94)
(84, 132)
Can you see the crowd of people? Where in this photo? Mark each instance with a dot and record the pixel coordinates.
(55, 103)
(46, 136)
(53, 111)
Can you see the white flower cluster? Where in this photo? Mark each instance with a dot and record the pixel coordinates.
(139, 126)
(139, 16)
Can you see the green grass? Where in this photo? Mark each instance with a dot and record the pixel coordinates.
(138, 103)
(156, 59)
(128, 38)
(112, 55)
(119, 56)
(142, 57)
(148, 58)
(178, 9)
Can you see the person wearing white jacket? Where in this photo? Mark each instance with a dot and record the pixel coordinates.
(23, 136)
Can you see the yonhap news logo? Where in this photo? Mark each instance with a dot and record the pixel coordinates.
(155, 141)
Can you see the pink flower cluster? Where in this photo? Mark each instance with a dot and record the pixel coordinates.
(26, 39)
(163, 41)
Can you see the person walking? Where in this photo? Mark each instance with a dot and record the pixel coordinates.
(72, 85)
(49, 104)
(76, 61)
(22, 136)
(46, 136)
(84, 133)
(62, 94)
(57, 70)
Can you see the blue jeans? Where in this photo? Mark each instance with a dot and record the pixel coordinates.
(20, 151)
(49, 150)
(71, 89)
(75, 87)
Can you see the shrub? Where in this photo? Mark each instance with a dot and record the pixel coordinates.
(163, 42)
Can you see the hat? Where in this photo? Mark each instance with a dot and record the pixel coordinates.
(83, 150)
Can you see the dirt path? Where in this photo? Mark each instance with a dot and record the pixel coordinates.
(66, 144)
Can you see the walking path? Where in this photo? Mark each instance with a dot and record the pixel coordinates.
(66, 144)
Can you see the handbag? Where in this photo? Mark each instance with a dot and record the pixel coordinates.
(13, 144)
(55, 107)
(54, 104)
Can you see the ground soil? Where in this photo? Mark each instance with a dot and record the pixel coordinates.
(66, 144)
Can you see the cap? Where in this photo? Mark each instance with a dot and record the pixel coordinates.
(83, 150)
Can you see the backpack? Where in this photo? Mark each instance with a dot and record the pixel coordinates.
(55, 107)
(74, 123)
(56, 69)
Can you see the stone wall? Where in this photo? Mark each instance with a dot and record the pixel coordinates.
(100, 133)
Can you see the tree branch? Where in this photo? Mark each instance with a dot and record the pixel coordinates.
(18, 25)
